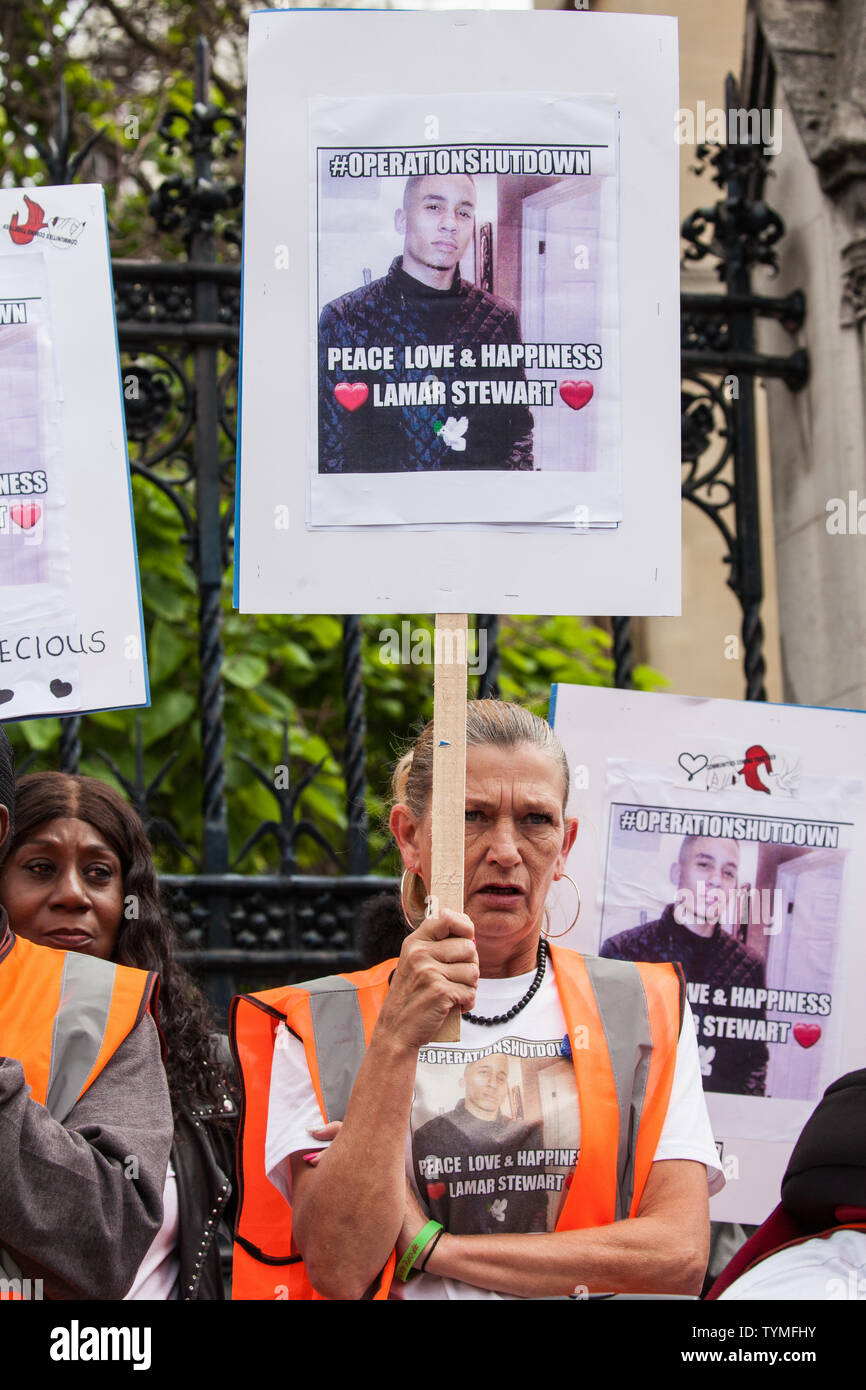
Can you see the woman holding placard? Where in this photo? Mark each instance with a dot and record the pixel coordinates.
(561, 1147)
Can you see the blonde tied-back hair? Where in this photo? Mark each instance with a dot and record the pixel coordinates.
(493, 723)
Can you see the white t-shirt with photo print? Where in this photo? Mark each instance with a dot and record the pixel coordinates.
(494, 1128)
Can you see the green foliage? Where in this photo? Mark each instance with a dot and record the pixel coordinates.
(123, 64)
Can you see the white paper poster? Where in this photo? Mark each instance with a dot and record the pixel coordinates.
(71, 636)
(460, 383)
(430, 255)
(728, 836)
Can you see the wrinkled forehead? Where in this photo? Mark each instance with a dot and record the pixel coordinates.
(499, 774)
(455, 189)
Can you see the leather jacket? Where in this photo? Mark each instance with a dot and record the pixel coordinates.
(400, 311)
(203, 1155)
(737, 1066)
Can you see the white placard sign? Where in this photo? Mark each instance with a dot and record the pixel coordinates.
(71, 633)
(460, 373)
(729, 836)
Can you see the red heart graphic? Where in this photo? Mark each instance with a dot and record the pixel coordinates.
(25, 515)
(435, 1190)
(351, 395)
(807, 1034)
(577, 394)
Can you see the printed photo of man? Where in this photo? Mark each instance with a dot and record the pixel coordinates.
(422, 301)
(486, 1142)
(691, 930)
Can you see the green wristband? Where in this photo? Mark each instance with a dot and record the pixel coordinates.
(423, 1238)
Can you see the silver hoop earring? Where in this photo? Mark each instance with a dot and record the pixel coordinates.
(410, 924)
(553, 936)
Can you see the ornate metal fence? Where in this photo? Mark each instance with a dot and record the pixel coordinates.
(718, 341)
(178, 327)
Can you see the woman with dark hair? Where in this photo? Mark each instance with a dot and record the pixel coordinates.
(79, 876)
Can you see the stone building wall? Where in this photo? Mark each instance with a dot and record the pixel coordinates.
(818, 437)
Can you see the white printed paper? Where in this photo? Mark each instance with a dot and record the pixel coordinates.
(71, 636)
(430, 402)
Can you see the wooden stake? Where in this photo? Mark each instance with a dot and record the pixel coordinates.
(449, 775)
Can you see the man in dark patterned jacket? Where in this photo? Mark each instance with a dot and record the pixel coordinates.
(690, 931)
(421, 302)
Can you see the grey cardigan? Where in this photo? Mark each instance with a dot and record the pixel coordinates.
(80, 1202)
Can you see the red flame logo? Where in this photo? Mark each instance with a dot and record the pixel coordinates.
(756, 757)
(22, 233)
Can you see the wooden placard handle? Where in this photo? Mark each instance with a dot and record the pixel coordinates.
(449, 776)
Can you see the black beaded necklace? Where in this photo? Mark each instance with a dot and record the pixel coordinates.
(522, 1003)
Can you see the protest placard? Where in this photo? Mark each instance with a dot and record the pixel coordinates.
(461, 312)
(725, 836)
(71, 634)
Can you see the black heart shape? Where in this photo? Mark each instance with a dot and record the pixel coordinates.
(6, 696)
(60, 689)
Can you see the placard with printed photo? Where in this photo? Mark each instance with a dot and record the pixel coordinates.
(460, 314)
(728, 836)
(71, 634)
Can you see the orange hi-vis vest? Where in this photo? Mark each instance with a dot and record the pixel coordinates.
(63, 1016)
(623, 1022)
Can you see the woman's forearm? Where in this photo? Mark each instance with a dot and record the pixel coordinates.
(349, 1208)
(662, 1249)
(643, 1255)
